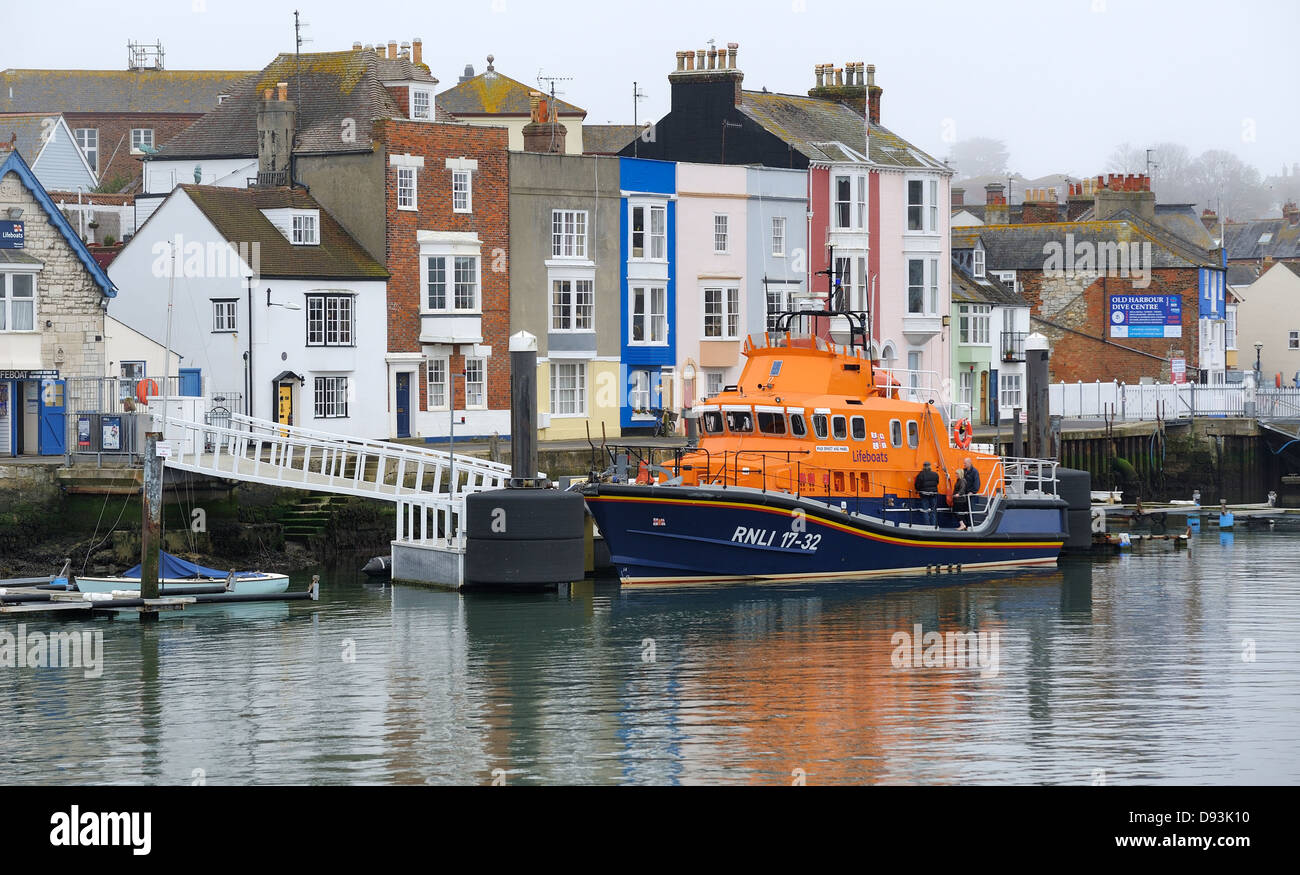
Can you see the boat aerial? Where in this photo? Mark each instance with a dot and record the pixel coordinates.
(178, 575)
(807, 468)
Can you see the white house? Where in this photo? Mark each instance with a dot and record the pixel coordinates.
(273, 302)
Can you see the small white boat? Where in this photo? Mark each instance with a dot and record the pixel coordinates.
(177, 575)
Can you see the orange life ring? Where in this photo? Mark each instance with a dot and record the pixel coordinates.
(962, 432)
(144, 389)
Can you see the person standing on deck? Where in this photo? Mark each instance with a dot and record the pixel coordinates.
(967, 485)
(927, 487)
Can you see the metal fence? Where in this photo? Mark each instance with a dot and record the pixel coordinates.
(1149, 401)
(104, 415)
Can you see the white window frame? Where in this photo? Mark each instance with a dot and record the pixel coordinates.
(126, 383)
(784, 294)
(330, 396)
(965, 387)
(1010, 391)
(1007, 278)
(654, 320)
(571, 313)
(225, 315)
(304, 229)
(449, 282)
(462, 191)
(437, 370)
(479, 364)
(778, 236)
(1230, 326)
(728, 312)
(977, 262)
(721, 234)
(927, 207)
(428, 103)
(911, 285)
(651, 238)
(569, 234)
(713, 383)
(973, 323)
(88, 142)
(1293, 340)
(407, 191)
(638, 391)
(327, 311)
(141, 137)
(576, 402)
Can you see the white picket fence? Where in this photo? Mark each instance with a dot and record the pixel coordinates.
(1149, 401)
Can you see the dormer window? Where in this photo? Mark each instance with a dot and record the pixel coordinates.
(978, 268)
(305, 230)
(421, 106)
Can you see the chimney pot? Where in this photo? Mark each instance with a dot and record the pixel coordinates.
(732, 50)
(392, 49)
(713, 58)
(699, 59)
(839, 75)
(282, 89)
(681, 62)
(356, 47)
(266, 94)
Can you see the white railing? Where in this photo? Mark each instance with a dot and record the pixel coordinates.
(1026, 477)
(1149, 401)
(924, 386)
(441, 524)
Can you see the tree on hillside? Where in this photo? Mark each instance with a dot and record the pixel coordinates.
(1127, 158)
(980, 156)
(1224, 182)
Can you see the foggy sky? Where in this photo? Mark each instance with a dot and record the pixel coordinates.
(1061, 82)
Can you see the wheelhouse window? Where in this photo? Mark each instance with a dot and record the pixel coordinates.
(895, 432)
(223, 315)
(913, 434)
(711, 420)
(771, 423)
(798, 427)
(569, 233)
(839, 428)
(859, 426)
(331, 397)
(649, 232)
(740, 421)
(572, 305)
(329, 320)
(820, 423)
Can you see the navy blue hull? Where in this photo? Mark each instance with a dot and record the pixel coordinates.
(674, 534)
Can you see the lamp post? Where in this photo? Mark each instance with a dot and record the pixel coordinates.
(1259, 373)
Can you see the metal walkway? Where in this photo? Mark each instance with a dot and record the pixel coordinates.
(429, 486)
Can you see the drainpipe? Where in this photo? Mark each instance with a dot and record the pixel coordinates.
(249, 396)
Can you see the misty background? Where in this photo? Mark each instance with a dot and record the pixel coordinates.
(1004, 87)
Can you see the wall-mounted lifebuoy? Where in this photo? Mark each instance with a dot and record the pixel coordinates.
(145, 389)
(962, 432)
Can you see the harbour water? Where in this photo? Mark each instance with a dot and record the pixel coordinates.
(1161, 666)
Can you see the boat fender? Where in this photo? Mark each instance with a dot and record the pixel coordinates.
(962, 433)
(643, 473)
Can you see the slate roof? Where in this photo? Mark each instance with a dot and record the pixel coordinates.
(821, 129)
(14, 163)
(492, 93)
(1015, 212)
(28, 127)
(967, 289)
(115, 91)
(328, 88)
(1242, 240)
(1023, 247)
(607, 139)
(1182, 221)
(236, 214)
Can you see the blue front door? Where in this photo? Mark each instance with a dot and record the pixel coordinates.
(191, 382)
(53, 434)
(404, 404)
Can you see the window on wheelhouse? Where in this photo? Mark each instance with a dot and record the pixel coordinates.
(859, 426)
(771, 423)
(896, 432)
(740, 421)
(712, 422)
(839, 428)
(913, 434)
(798, 427)
(819, 426)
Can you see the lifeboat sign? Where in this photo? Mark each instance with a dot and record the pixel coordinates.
(832, 449)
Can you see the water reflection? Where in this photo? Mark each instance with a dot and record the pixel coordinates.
(1134, 665)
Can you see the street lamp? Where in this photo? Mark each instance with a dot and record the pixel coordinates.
(1259, 373)
(289, 306)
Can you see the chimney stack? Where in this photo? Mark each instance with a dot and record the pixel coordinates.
(392, 49)
(873, 95)
(356, 47)
(957, 197)
(1117, 192)
(995, 204)
(417, 51)
(276, 124)
(1039, 206)
(841, 85)
(1291, 213)
(713, 72)
(541, 134)
(1210, 219)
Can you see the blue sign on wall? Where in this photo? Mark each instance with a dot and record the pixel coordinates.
(11, 235)
(1146, 316)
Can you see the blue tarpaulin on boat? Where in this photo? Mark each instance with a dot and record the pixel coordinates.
(175, 568)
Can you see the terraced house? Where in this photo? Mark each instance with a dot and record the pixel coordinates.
(425, 195)
(878, 205)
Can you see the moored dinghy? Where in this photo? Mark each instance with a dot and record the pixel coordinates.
(178, 575)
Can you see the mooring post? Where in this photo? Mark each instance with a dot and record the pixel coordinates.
(1017, 436)
(151, 522)
(1038, 395)
(523, 408)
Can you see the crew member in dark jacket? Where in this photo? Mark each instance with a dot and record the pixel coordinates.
(967, 485)
(927, 487)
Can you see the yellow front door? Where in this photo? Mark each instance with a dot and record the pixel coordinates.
(285, 410)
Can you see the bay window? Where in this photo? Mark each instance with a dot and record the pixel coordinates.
(572, 304)
(457, 291)
(722, 313)
(649, 312)
(649, 232)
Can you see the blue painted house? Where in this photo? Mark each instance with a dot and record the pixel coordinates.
(52, 301)
(648, 255)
